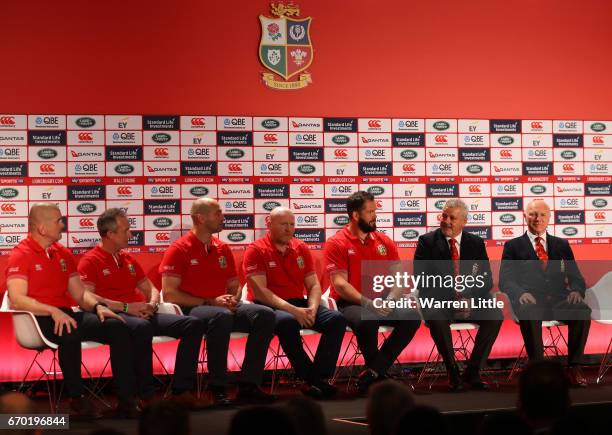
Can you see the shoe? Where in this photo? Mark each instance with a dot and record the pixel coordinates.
(83, 409)
(365, 379)
(124, 409)
(471, 377)
(144, 403)
(312, 391)
(188, 400)
(576, 378)
(455, 384)
(327, 390)
(218, 396)
(252, 394)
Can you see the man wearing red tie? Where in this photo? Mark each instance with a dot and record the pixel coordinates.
(540, 276)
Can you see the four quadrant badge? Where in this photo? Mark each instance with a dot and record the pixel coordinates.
(285, 47)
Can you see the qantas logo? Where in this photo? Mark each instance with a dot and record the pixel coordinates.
(7, 120)
(198, 122)
(379, 204)
(374, 123)
(8, 207)
(85, 136)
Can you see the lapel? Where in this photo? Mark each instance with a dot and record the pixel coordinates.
(465, 249)
(442, 245)
(527, 248)
(551, 248)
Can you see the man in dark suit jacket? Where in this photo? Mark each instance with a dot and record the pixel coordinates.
(449, 252)
(543, 282)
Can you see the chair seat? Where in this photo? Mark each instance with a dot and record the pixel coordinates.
(90, 344)
(239, 334)
(552, 323)
(385, 329)
(162, 339)
(603, 322)
(463, 326)
(304, 332)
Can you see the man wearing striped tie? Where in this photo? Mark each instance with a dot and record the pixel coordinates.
(543, 282)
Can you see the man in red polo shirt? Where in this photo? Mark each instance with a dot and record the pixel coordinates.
(344, 254)
(42, 278)
(279, 268)
(119, 281)
(199, 274)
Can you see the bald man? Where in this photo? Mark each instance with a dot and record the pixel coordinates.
(199, 274)
(280, 271)
(42, 278)
(543, 282)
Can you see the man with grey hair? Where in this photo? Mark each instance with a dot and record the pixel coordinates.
(280, 270)
(449, 251)
(199, 274)
(42, 278)
(119, 281)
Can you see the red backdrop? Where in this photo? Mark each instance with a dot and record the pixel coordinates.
(521, 59)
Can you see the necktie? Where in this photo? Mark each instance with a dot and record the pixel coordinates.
(454, 255)
(541, 252)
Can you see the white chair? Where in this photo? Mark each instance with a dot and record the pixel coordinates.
(599, 299)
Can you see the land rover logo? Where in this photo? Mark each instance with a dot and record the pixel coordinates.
(198, 191)
(474, 169)
(162, 222)
(161, 137)
(570, 231)
(568, 154)
(599, 202)
(47, 153)
(505, 140)
(376, 190)
(236, 236)
(306, 169)
(538, 189)
(234, 153)
(598, 126)
(440, 204)
(8, 193)
(124, 168)
(410, 234)
(507, 218)
(441, 125)
(86, 208)
(340, 139)
(85, 122)
(408, 154)
(341, 220)
(270, 124)
(271, 205)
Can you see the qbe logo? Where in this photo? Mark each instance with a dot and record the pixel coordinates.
(53, 122)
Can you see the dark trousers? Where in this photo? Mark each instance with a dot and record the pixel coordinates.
(489, 322)
(366, 331)
(576, 316)
(89, 328)
(219, 323)
(187, 328)
(331, 325)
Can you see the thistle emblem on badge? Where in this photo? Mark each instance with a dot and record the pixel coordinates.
(300, 262)
(382, 250)
(285, 47)
(132, 269)
(63, 266)
(222, 262)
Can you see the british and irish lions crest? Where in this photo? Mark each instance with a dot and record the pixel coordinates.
(285, 47)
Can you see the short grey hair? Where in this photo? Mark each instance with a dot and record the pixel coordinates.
(457, 203)
(108, 220)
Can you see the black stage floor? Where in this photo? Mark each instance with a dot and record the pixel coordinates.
(345, 415)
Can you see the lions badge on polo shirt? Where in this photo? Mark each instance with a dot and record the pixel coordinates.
(222, 262)
(300, 262)
(132, 269)
(63, 266)
(382, 250)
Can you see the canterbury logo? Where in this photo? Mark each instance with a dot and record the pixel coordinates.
(7, 120)
(85, 136)
(568, 167)
(441, 138)
(198, 122)
(505, 153)
(8, 207)
(86, 222)
(47, 167)
(270, 137)
(124, 190)
(536, 125)
(162, 237)
(598, 139)
(374, 123)
(161, 152)
(340, 153)
(407, 167)
(306, 189)
(600, 215)
(234, 167)
(474, 188)
(507, 231)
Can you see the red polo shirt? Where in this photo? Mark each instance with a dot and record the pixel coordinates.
(344, 252)
(285, 272)
(47, 272)
(204, 273)
(115, 280)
